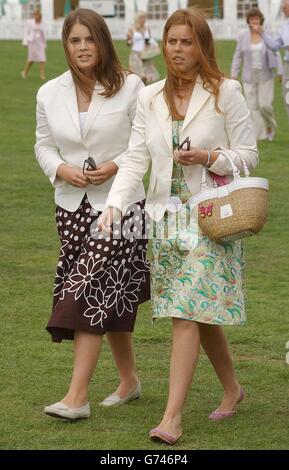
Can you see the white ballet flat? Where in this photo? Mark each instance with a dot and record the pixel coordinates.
(115, 400)
(60, 410)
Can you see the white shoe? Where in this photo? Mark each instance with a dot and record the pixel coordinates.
(60, 410)
(114, 400)
(270, 136)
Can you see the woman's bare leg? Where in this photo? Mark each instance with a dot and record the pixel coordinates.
(25, 71)
(122, 349)
(86, 352)
(184, 358)
(215, 344)
(42, 70)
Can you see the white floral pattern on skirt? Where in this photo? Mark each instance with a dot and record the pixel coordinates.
(99, 281)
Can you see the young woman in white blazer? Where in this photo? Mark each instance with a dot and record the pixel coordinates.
(200, 287)
(87, 113)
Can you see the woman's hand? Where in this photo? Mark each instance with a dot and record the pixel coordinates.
(129, 37)
(256, 28)
(104, 221)
(72, 175)
(194, 156)
(102, 174)
(107, 218)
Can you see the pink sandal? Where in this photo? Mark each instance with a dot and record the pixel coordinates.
(160, 436)
(215, 416)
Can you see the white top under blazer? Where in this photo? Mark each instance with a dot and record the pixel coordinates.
(105, 135)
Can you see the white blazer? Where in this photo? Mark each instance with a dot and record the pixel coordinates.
(151, 142)
(105, 136)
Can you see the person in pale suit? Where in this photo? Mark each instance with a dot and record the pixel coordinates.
(198, 284)
(85, 114)
(35, 40)
(258, 63)
(279, 41)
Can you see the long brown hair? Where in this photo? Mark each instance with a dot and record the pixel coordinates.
(37, 16)
(206, 65)
(108, 71)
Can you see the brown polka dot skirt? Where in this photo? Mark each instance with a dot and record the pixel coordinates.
(100, 281)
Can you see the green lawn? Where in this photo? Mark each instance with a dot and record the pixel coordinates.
(35, 372)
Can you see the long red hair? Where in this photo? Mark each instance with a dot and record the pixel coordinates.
(206, 65)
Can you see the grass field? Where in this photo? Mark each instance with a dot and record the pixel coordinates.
(35, 372)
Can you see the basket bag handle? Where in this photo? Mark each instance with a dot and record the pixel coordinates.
(236, 171)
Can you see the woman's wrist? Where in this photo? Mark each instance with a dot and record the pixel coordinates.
(209, 157)
(205, 157)
(61, 170)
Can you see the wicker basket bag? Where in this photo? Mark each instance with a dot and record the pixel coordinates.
(236, 210)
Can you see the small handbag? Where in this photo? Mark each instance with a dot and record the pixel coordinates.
(234, 211)
(151, 50)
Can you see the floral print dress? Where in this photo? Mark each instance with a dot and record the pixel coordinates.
(194, 278)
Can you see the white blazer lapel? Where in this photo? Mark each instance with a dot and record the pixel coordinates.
(70, 99)
(197, 101)
(163, 117)
(97, 101)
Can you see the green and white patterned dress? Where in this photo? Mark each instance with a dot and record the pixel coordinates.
(203, 284)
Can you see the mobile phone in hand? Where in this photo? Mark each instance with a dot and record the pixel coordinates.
(89, 165)
(185, 145)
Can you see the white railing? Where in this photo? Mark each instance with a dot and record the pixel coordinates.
(118, 28)
(222, 30)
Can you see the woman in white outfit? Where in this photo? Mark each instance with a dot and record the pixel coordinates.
(84, 120)
(258, 77)
(35, 40)
(198, 285)
(137, 38)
